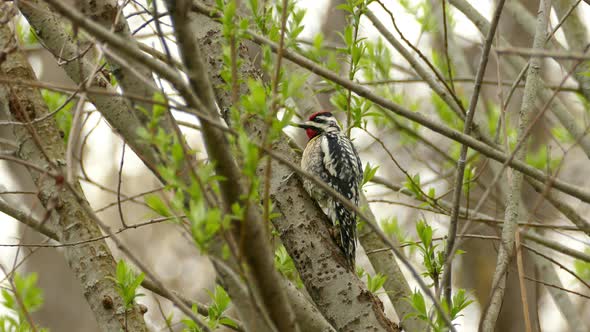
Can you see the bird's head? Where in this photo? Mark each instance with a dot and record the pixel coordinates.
(318, 123)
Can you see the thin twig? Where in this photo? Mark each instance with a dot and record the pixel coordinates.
(523, 292)
(120, 180)
(556, 287)
(20, 303)
(532, 86)
(557, 246)
(571, 55)
(556, 262)
(468, 80)
(446, 39)
(461, 163)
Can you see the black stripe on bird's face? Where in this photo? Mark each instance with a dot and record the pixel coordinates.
(319, 123)
(324, 121)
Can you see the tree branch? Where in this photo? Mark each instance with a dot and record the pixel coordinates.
(461, 163)
(506, 250)
(331, 281)
(92, 263)
(257, 252)
(117, 111)
(561, 299)
(569, 122)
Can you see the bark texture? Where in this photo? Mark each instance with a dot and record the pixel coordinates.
(338, 294)
(257, 251)
(559, 109)
(42, 145)
(57, 37)
(506, 250)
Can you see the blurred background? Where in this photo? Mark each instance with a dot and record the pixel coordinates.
(176, 261)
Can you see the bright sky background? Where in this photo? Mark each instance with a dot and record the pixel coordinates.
(551, 320)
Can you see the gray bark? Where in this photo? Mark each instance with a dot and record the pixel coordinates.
(506, 250)
(311, 247)
(92, 262)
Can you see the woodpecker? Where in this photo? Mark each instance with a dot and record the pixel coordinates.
(331, 156)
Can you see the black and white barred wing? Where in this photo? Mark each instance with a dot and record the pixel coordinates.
(342, 169)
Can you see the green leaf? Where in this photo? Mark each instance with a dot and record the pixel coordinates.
(360, 272)
(414, 186)
(460, 302)
(424, 233)
(391, 227)
(369, 173)
(417, 302)
(24, 294)
(29, 293)
(56, 101)
(220, 303)
(228, 322)
(158, 110)
(127, 282)
(156, 203)
(376, 282)
(470, 173)
(205, 223)
(444, 112)
(25, 33)
(286, 266)
(582, 268)
(9, 301)
(562, 134)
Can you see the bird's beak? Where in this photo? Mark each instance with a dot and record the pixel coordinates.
(303, 125)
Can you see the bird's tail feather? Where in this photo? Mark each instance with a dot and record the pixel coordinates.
(347, 225)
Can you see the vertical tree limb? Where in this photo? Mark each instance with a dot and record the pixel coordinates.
(117, 111)
(522, 284)
(569, 122)
(331, 280)
(461, 163)
(396, 286)
(561, 299)
(506, 250)
(53, 31)
(258, 252)
(92, 262)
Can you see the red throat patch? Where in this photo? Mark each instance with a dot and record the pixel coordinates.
(311, 133)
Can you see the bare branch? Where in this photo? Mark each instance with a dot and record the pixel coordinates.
(93, 262)
(258, 250)
(561, 299)
(54, 34)
(569, 122)
(509, 228)
(461, 163)
(312, 251)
